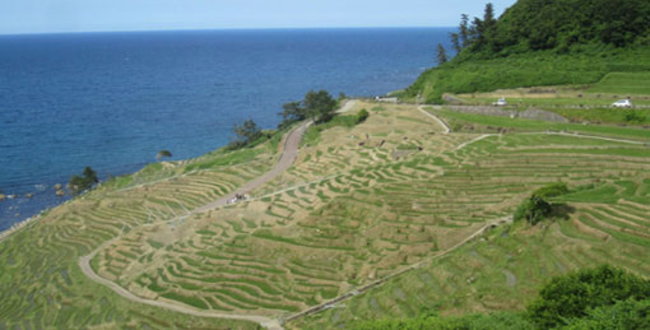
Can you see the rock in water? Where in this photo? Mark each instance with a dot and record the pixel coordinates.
(60, 192)
(58, 186)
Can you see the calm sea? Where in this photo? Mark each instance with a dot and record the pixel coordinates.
(112, 100)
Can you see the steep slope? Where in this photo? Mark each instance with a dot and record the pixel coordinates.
(541, 42)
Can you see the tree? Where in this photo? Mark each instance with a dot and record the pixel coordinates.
(441, 54)
(163, 154)
(573, 295)
(319, 106)
(488, 16)
(247, 132)
(534, 209)
(455, 42)
(626, 314)
(463, 30)
(84, 182)
(292, 112)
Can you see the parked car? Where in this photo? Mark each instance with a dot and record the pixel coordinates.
(500, 102)
(622, 104)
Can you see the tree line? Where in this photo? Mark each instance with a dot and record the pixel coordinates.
(317, 106)
(561, 25)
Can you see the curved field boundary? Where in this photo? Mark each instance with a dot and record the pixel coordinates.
(445, 127)
(288, 156)
(329, 304)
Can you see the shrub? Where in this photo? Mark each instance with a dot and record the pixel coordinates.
(573, 295)
(632, 116)
(627, 314)
(533, 210)
(163, 154)
(79, 183)
(362, 116)
(552, 190)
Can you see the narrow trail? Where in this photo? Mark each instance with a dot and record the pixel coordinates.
(445, 127)
(349, 105)
(288, 155)
(476, 139)
(380, 282)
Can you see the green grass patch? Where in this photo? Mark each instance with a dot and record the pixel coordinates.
(624, 83)
(542, 68)
(192, 301)
(312, 135)
(223, 158)
(155, 244)
(537, 125)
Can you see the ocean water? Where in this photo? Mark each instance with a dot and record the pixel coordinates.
(112, 100)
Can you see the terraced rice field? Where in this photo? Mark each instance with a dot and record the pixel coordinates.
(363, 203)
(40, 282)
(607, 222)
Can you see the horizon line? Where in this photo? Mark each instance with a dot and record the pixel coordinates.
(225, 29)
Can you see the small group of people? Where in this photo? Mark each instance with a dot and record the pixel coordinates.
(238, 197)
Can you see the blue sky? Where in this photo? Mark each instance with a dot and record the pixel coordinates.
(51, 16)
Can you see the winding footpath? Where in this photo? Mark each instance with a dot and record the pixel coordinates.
(288, 155)
(445, 127)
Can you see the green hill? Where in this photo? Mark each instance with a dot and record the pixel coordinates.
(537, 42)
(389, 211)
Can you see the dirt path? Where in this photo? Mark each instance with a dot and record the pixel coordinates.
(287, 157)
(445, 127)
(349, 105)
(476, 139)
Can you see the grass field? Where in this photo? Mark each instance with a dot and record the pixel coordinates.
(536, 69)
(482, 123)
(632, 83)
(361, 203)
(581, 103)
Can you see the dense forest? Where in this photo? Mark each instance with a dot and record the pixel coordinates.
(532, 25)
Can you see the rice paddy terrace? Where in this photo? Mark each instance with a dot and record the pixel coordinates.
(392, 195)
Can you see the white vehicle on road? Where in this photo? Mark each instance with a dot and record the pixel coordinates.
(500, 102)
(622, 104)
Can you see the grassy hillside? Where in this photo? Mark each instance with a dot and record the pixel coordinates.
(544, 68)
(538, 43)
(362, 203)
